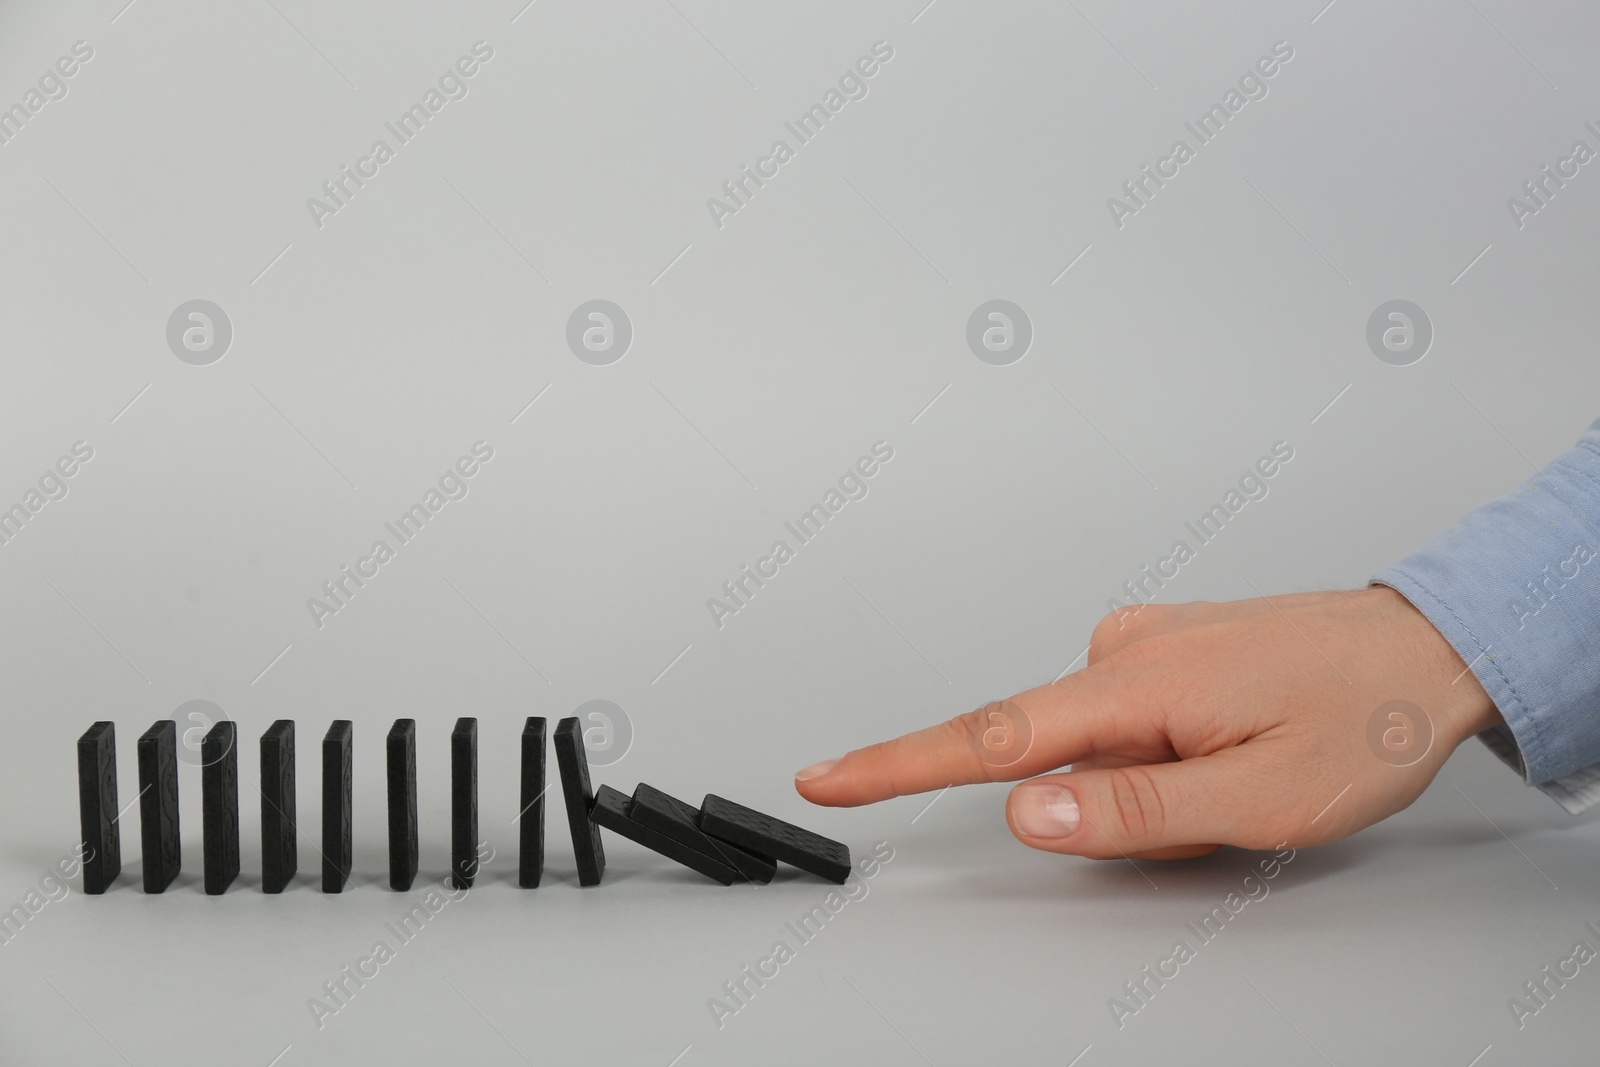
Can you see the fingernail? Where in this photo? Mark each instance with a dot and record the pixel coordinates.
(1044, 809)
(816, 770)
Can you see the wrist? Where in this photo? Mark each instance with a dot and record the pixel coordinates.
(1459, 704)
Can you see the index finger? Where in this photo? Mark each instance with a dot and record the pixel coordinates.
(1026, 735)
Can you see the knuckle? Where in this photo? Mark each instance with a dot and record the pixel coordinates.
(1113, 631)
(1137, 810)
(1127, 626)
(896, 764)
(967, 728)
(975, 732)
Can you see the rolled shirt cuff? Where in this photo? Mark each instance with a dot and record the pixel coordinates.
(1515, 588)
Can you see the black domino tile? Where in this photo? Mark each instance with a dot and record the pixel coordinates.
(280, 854)
(573, 764)
(464, 803)
(674, 818)
(611, 811)
(530, 823)
(219, 810)
(97, 807)
(337, 798)
(773, 837)
(402, 752)
(158, 805)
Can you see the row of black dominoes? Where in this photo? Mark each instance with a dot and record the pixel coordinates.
(725, 841)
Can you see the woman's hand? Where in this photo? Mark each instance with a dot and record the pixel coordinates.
(1287, 720)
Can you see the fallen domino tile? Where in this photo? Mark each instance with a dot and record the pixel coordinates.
(402, 751)
(530, 860)
(97, 807)
(337, 790)
(575, 789)
(611, 811)
(280, 856)
(219, 809)
(158, 805)
(464, 803)
(674, 818)
(773, 837)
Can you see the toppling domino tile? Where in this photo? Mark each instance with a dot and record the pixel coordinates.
(337, 796)
(158, 805)
(530, 829)
(97, 807)
(674, 818)
(402, 759)
(579, 796)
(464, 803)
(219, 806)
(611, 811)
(771, 836)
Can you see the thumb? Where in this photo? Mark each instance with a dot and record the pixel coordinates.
(1117, 812)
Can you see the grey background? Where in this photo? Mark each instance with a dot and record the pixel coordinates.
(767, 356)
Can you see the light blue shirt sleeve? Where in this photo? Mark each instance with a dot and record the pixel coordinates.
(1515, 588)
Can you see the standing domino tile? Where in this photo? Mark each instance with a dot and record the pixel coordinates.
(402, 746)
(611, 811)
(280, 856)
(337, 789)
(158, 805)
(674, 818)
(574, 766)
(530, 863)
(97, 807)
(773, 837)
(219, 810)
(464, 803)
